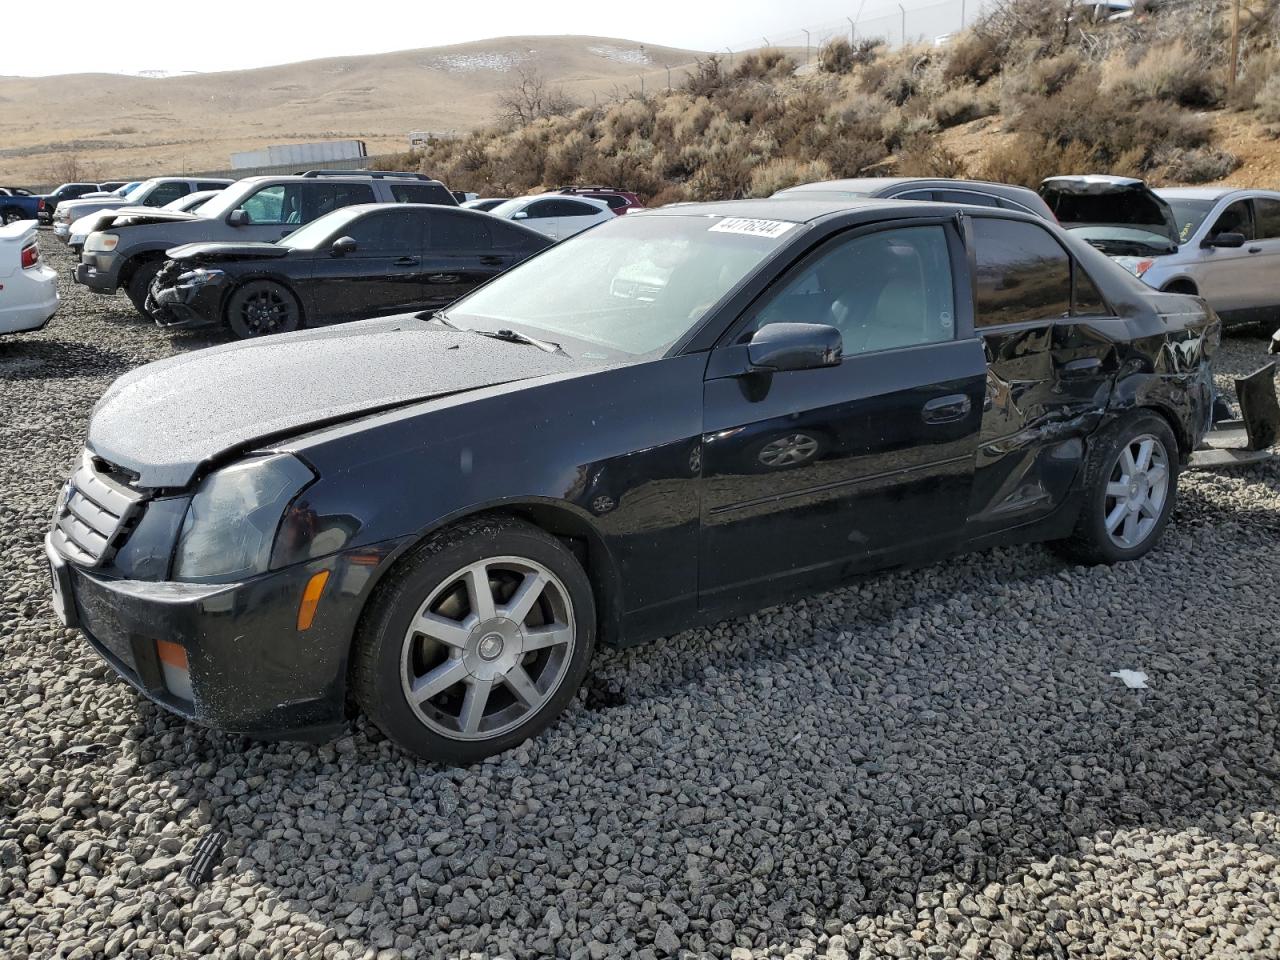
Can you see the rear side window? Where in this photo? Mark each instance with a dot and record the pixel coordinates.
(167, 193)
(210, 186)
(459, 234)
(321, 198)
(1022, 273)
(1267, 214)
(966, 196)
(422, 193)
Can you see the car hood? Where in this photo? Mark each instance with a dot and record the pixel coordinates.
(166, 420)
(1103, 201)
(211, 250)
(135, 216)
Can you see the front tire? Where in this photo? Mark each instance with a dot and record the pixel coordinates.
(11, 215)
(139, 286)
(476, 642)
(1130, 488)
(263, 307)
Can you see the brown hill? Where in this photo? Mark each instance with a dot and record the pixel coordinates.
(129, 126)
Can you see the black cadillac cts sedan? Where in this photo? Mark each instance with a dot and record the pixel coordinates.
(679, 415)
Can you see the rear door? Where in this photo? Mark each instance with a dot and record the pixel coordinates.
(384, 275)
(459, 256)
(1049, 341)
(812, 474)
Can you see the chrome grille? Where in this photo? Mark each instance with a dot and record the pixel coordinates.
(92, 514)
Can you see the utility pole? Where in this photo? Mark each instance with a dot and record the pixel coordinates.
(730, 52)
(806, 45)
(668, 66)
(961, 14)
(1235, 45)
(851, 29)
(904, 24)
(641, 76)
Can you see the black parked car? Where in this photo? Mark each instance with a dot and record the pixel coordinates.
(680, 414)
(361, 261)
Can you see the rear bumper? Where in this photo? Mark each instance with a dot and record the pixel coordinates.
(61, 230)
(29, 299)
(251, 670)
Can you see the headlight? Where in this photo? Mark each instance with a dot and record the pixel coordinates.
(101, 242)
(232, 521)
(198, 277)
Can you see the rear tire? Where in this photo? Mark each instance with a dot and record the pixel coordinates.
(139, 286)
(263, 307)
(1130, 489)
(11, 215)
(476, 641)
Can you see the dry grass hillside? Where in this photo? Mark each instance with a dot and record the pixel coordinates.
(1023, 95)
(125, 126)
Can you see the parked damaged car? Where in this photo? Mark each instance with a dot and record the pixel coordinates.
(437, 517)
(1220, 243)
(126, 253)
(358, 262)
(79, 231)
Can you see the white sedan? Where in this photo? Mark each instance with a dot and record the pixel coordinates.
(554, 214)
(28, 289)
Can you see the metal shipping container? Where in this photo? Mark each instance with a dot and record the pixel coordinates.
(300, 154)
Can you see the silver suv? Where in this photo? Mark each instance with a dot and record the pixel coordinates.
(128, 252)
(1219, 243)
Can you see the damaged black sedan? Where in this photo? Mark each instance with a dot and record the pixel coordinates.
(683, 414)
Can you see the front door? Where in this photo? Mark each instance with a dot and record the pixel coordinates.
(812, 474)
(384, 275)
(1224, 275)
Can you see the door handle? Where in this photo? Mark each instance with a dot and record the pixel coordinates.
(407, 262)
(491, 261)
(945, 409)
(1076, 369)
(443, 278)
(1255, 249)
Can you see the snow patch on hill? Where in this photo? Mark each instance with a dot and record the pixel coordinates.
(472, 62)
(634, 55)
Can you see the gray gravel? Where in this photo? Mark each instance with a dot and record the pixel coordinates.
(929, 764)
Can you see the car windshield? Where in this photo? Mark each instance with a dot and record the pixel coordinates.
(1188, 215)
(508, 207)
(128, 188)
(313, 234)
(632, 287)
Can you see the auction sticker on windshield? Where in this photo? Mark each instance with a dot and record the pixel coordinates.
(751, 227)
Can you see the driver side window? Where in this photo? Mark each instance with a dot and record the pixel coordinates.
(1237, 218)
(882, 291)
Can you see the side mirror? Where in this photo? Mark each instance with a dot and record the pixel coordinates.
(342, 246)
(795, 346)
(1224, 240)
(238, 218)
(520, 215)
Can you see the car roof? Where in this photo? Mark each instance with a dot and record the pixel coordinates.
(557, 195)
(796, 209)
(1211, 193)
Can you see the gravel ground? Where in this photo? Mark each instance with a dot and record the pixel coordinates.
(929, 764)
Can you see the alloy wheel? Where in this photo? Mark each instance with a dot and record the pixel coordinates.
(1136, 491)
(489, 646)
(789, 450)
(266, 311)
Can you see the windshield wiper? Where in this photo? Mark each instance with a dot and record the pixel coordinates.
(515, 336)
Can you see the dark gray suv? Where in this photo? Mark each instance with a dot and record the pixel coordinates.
(127, 252)
(978, 193)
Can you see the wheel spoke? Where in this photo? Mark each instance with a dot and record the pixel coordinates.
(1130, 526)
(1115, 516)
(1127, 465)
(1118, 488)
(526, 595)
(1156, 476)
(1144, 455)
(551, 635)
(1148, 509)
(479, 592)
(437, 681)
(522, 686)
(452, 633)
(473, 704)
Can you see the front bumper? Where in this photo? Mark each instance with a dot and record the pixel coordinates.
(92, 275)
(61, 230)
(252, 671)
(188, 304)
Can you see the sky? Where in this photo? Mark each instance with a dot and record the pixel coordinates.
(144, 35)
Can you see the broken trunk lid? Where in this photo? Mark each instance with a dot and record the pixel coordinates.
(1095, 201)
